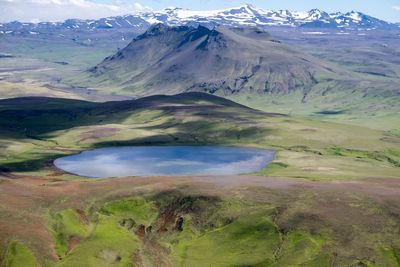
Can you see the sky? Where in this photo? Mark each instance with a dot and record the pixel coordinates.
(58, 10)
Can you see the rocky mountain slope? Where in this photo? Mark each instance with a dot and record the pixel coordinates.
(228, 60)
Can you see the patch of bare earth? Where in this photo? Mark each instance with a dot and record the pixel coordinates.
(73, 242)
(99, 132)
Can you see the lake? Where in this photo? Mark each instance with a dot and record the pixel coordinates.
(165, 161)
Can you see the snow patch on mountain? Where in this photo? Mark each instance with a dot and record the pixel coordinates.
(246, 15)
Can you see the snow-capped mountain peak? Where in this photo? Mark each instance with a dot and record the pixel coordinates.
(249, 15)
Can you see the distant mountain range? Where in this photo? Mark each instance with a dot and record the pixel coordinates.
(249, 15)
(246, 15)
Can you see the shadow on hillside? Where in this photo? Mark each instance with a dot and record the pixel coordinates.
(29, 165)
(187, 134)
(35, 117)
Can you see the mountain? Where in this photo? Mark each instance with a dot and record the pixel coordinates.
(128, 21)
(350, 20)
(246, 15)
(183, 58)
(132, 22)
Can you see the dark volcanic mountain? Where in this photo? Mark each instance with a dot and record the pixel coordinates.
(180, 59)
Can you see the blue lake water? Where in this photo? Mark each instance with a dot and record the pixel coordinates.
(165, 161)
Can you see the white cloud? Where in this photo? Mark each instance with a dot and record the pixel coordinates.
(396, 8)
(59, 10)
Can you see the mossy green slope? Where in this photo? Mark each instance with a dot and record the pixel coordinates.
(177, 229)
(249, 239)
(18, 255)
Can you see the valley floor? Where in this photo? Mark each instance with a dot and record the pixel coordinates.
(330, 198)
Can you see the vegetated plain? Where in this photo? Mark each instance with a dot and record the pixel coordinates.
(330, 198)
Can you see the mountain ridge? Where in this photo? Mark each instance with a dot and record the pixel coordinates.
(246, 15)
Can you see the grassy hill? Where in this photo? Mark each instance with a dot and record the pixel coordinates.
(41, 127)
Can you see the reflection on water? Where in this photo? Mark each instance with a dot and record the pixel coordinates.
(165, 161)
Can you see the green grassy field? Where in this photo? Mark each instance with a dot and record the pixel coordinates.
(17, 254)
(373, 106)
